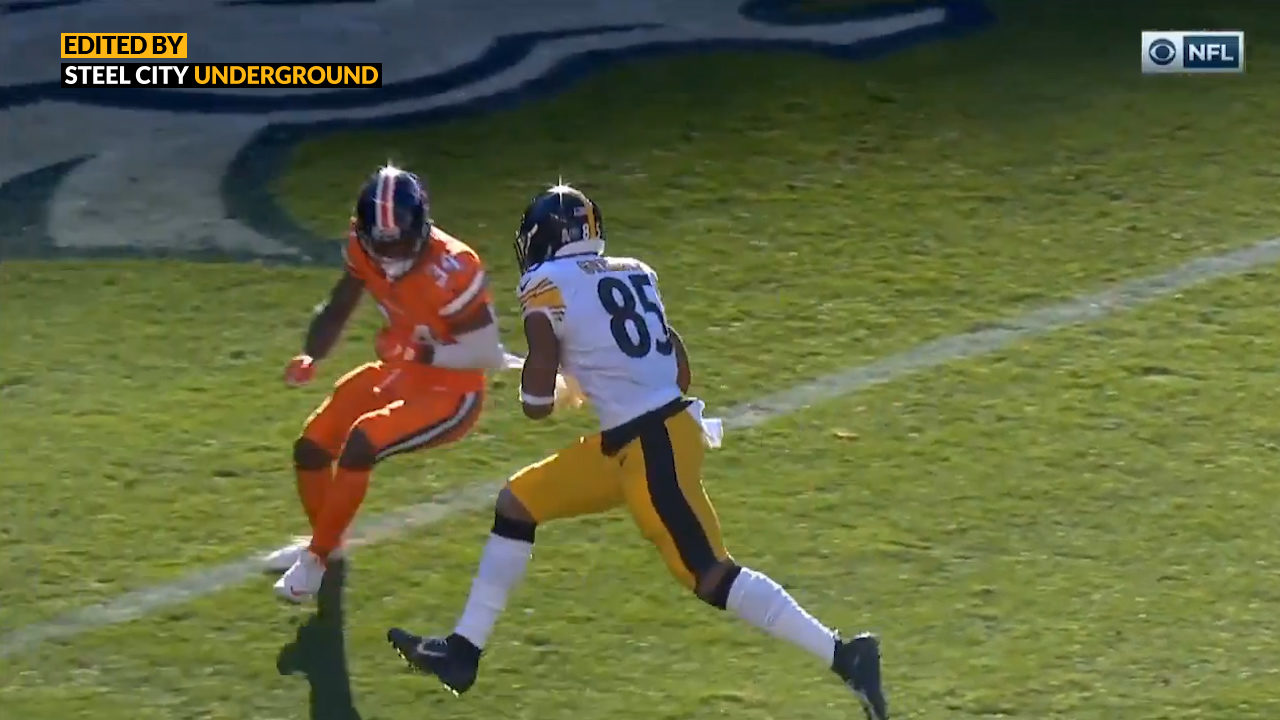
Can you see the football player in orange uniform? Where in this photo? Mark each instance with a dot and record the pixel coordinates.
(426, 388)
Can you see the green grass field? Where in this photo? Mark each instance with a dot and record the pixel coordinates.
(1079, 527)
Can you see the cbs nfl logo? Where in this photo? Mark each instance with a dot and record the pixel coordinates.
(1192, 51)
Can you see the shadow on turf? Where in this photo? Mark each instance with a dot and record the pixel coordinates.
(319, 652)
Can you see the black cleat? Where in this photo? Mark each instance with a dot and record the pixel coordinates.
(454, 660)
(857, 662)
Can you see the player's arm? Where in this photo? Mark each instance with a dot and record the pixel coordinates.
(326, 325)
(542, 305)
(683, 375)
(332, 315)
(476, 345)
(538, 378)
(473, 324)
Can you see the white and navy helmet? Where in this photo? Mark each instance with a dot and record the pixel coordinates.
(559, 219)
(393, 217)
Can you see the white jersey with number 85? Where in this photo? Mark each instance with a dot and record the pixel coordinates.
(612, 328)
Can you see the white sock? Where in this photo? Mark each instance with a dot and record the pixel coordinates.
(756, 598)
(502, 566)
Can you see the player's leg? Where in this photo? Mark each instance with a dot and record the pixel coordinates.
(664, 491)
(417, 423)
(426, 420)
(578, 480)
(322, 438)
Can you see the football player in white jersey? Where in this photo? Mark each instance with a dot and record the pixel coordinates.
(601, 319)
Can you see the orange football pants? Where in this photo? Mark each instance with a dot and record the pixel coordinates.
(394, 413)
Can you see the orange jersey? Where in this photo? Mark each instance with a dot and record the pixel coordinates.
(446, 287)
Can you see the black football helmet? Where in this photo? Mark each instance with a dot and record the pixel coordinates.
(393, 218)
(559, 218)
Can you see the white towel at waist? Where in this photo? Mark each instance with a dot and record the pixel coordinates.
(712, 428)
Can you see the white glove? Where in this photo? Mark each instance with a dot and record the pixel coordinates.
(569, 394)
(511, 362)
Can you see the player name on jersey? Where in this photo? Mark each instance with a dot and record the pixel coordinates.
(222, 75)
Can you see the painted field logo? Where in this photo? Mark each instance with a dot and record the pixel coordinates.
(1198, 51)
(160, 167)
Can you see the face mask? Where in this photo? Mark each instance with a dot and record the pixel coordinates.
(396, 268)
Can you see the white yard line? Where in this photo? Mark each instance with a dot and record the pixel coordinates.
(1124, 296)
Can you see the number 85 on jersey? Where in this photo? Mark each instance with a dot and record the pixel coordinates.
(582, 297)
(630, 307)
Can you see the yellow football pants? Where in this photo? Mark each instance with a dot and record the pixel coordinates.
(657, 475)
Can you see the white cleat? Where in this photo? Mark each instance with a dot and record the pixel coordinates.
(302, 581)
(284, 558)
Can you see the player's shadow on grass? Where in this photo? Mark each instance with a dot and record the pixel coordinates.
(319, 652)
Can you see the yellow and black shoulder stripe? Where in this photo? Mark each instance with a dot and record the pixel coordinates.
(542, 294)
